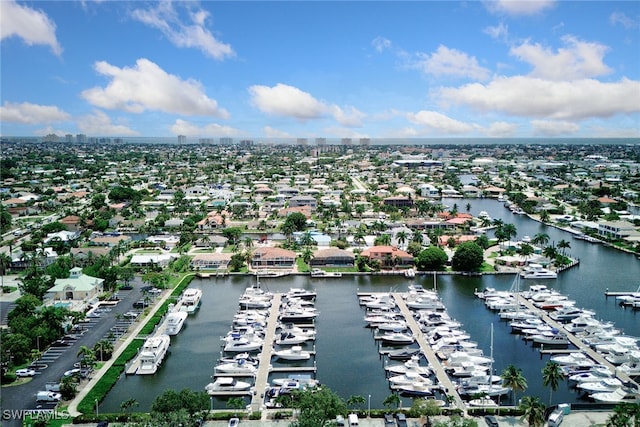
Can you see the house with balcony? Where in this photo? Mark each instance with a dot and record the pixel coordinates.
(269, 257)
(333, 257)
(388, 256)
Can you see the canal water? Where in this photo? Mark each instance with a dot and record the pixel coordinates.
(347, 359)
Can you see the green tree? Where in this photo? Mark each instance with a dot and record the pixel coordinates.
(467, 257)
(533, 410)
(563, 244)
(431, 258)
(297, 220)
(128, 405)
(68, 387)
(625, 415)
(392, 400)
(355, 401)
(401, 237)
(551, 377)
(383, 240)
(103, 350)
(540, 239)
(317, 407)
(172, 401)
(512, 377)
(5, 219)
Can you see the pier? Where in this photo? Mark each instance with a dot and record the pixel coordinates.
(577, 342)
(444, 380)
(264, 367)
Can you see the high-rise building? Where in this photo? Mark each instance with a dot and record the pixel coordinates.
(321, 141)
(225, 140)
(68, 138)
(345, 141)
(301, 141)
(81, 138)
(182, 139)
(365, 141)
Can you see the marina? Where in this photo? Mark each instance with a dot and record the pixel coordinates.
(196, 347)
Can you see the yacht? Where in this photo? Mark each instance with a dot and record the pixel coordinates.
(484, 402)
(417, 388)
(537, 271)
(152, 354)
(222, 384)
(619, 395)
(174, 322)
(411, 365)
(409, 378)
(242, 343)
(237, 367)
(294, 353)
(605, 384)
(289, 338)
(396, 338)
(190, 300)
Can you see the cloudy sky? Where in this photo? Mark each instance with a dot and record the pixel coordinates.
(377, 69)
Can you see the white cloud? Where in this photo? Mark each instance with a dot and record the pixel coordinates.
(349, 116)
(98, 123)
(500, 129)
(554, 128)
(191, 35)
(578, 59)
(28, 113)
(148, 87)
(451, 62)
(380, 44)
(270, 132)
(518, 7)
(32, 26)
(288, 101)
(619, 18)
(500, 31)
(182, 127)
(532, 97)
(439, 122)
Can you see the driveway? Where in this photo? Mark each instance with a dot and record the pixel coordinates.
(55, 361)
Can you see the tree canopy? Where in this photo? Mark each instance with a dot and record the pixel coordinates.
(431, 258)
(468, 257)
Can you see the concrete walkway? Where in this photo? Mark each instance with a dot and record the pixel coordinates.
(119, 348)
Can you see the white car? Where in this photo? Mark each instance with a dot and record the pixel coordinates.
(25, 372)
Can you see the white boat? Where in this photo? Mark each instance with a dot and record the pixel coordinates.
(152, 354)
(537, 271)
(567, 314)
(190, 300)
(237, 367)
(605, 384)
(575, 358)
(411, 365)
(300, 293)
(289, 338)
(484, 402)
(409, 378)
(492, 390)
(241, 344)
(222, 384)
(175, 321)
(298, 314)
(622, 394)
(294, 353)
(418, 388)
(252, 302)
(396, 338)
(410, 273)
(318, 272)
(551, 339)
(297, 381)
(590, 376)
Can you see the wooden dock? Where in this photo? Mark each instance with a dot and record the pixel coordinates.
(262, 376)
(581, 346)
(434, 362)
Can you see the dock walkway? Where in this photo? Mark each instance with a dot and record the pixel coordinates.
(428, 352)
(262, 376)
(581, 346)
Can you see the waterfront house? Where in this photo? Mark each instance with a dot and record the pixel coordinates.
(214, 261)
(388, 256)
(617, 229)
(269, 257)
(332, 257)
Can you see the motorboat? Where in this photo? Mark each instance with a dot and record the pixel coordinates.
(592, 375)
(298, 314)
(409, 378)
(402, 353)
(468, 369)
(288, 338)
(391, 325)
(537, 271)
(567, 314)
(246, 357)
(222, 384)
(417, 388)
(619, 395)
(293, 353)
(575, 358)
(152, 354)
(300, 293)
(605, 384)
(396, 338)
(237, 367)
(491, 390)
(556, 339)
(175, 321)
(483, 402)
(411, 365)
(243, 343)
(294, 329)
(190, 300)
(250, 302)
(318, 272)
(460, 357)
(481, 379)
(296, 381)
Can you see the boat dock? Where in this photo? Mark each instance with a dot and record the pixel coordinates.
(444, 380)
(581, 346)
(264, 367)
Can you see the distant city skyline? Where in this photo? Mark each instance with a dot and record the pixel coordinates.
(266, 70)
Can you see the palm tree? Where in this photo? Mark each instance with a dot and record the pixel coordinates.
(356, 400)
(88, 356)
(391, 400)
(533, 410)
(544, 216)
(383, 240)
(417, 237)
(401, 237)
(526, 250)
(540, 239)
(625, 415)
(550, 252)
(103, 348)
(512, 377)
(551, 376)
(510, 231)
(563, 244)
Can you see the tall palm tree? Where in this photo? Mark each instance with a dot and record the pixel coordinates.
(563, 244)
(87, 355)
(526, 250)
(533, 410)
(356, 400)
(391, 400)
(510, 231)
(128, 404)
(550, 252)
(512, 377)
(540, 239)
(401, 237)
(625, 415)
(551, 376)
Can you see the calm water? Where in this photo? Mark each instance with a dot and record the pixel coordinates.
(347, 358)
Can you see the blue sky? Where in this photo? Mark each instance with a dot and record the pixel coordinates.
(306, 69)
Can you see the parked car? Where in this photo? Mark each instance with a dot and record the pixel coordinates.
(48, 396)
(491, 421)
(401, 420)
(72, 372)
(388, 420)
(140, 304)
(25, 372)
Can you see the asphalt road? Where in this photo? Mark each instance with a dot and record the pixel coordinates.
(58, 360)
